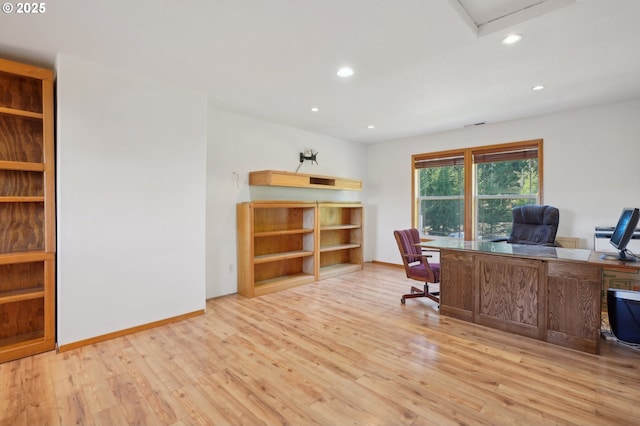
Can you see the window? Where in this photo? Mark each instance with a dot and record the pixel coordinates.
(440, 197)
(470, 193)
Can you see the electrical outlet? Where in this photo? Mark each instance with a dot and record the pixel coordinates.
(231, 268)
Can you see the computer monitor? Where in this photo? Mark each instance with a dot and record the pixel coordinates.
(623, 233)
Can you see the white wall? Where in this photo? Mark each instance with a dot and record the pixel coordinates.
(591, 170)
(240, 144)
(134, 156)
(131, 159)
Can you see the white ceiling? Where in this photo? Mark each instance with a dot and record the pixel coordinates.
(421, 66)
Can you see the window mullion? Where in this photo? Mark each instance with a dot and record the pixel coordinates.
(469, 231)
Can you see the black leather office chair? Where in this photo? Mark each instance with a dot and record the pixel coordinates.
(534, 225)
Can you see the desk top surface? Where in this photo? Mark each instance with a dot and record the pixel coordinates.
(527, 251)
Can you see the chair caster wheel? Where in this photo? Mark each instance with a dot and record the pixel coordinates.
(402, 301)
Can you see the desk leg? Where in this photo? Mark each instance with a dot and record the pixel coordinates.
(456, 285)
(574, 306)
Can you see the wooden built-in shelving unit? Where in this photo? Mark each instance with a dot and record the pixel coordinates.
(27, 211)
(282, 244)
(340, 248)
(276, 242)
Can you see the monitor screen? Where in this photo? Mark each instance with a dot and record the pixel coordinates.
(625, 227)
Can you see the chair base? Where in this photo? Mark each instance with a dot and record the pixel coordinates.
(416, 292)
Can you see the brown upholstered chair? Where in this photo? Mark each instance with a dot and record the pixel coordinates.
(416, 264)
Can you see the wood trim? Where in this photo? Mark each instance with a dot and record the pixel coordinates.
(22, 199)
(23, 166)
(50, 297)
(49, 166)
(540, 172)
(438, 154)
(414, 194)
(487, 149)
(21, 113)
(270, 204)
(27, 348)
(24, 257)
(469, 205)
(394, 265)
(21, 294)
(25, 70)
(126, 331)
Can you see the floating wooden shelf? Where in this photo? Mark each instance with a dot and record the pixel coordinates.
(300, 180)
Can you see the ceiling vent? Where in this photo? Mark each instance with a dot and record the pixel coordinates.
(488, 16)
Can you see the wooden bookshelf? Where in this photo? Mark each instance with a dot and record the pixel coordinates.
(283, 244)
(340, 243)
(27, 211)
(276, 246)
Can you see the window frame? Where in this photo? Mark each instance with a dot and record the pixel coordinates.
(469, 175)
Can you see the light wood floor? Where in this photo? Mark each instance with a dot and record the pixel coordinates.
(341, 351)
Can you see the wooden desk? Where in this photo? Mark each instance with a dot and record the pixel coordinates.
(547, 293)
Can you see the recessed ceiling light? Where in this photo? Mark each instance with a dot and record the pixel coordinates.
(512, 39)
(538, 87)
(371, 126)
(345, 72)
(314, 109)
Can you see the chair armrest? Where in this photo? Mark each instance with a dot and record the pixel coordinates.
(425, 256)
(416, 255)
(435, 250)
